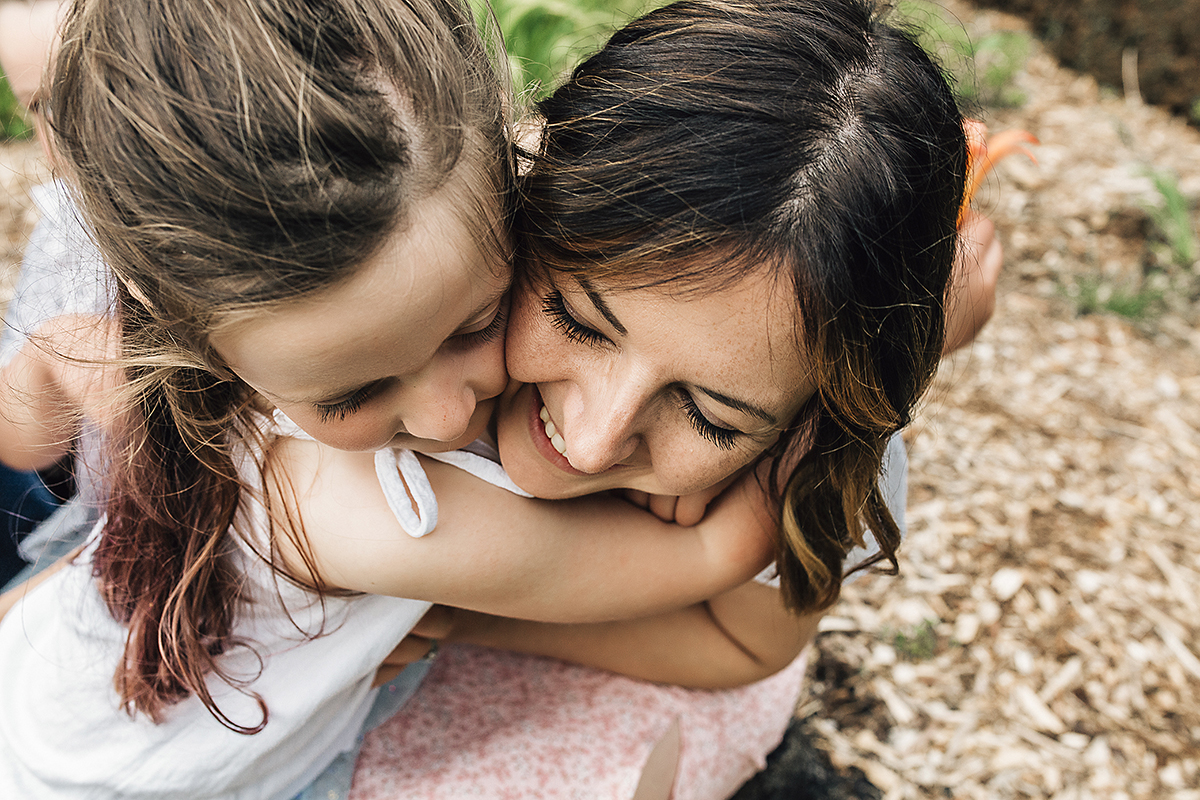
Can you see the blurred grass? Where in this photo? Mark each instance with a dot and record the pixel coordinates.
(982, 70)
(546, 38)
(12, 115)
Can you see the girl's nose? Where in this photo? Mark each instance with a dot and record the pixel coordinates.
(441, 417)
(440, 404)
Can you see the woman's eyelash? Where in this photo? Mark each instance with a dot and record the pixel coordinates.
(723, 438)
(344, 408)
(555, 308)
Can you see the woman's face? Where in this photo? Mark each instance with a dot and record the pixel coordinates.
(645, 390)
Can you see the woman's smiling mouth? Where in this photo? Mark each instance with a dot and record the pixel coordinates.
(547, 439)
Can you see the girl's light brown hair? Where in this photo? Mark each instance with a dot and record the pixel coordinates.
(809, 138)
(229, 156)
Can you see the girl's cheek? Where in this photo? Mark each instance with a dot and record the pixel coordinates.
(354, 434)
(531, 347)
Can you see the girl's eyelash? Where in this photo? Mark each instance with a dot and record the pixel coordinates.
(554, 307)
(344, 408)
(488, 334)
(723, 438)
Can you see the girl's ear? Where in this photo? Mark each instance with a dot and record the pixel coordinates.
(41, 127)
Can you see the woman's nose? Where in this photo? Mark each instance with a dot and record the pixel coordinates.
(600, 433)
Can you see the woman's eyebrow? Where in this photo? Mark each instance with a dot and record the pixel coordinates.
(740, 405)
(602, 306)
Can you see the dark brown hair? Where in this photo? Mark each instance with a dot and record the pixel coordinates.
(231, 156)
(712, 138)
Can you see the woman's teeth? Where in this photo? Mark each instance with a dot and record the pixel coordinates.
(552, 433)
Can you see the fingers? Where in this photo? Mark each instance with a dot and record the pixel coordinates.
(976, 273)
(639, 499)
(27, 37)
(411, 649)
(436, 624)
(663, 506)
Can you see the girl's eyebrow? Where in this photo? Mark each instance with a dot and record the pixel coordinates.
(602, 306)
(478, 313)
(740, 405)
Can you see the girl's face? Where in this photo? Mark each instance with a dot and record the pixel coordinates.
(409, 352)
(640, 389)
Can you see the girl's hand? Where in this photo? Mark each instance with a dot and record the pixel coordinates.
(685, 510)
(437, 624)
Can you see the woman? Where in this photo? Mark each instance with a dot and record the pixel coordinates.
(737, 238)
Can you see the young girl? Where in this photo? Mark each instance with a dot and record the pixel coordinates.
(304, 210)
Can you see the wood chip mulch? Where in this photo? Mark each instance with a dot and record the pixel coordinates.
(1043, 637)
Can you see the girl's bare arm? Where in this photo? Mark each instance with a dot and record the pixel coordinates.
(60, 375)
(584, 560)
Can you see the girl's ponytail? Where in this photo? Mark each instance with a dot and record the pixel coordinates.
(174, 491)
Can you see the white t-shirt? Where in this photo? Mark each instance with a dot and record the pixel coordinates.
(63, 734)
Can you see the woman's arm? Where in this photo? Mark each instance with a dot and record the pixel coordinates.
(736, 638)
(585, 560)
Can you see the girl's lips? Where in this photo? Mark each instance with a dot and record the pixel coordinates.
(537, 432)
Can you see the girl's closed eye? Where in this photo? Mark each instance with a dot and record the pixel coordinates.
(489, 333)
(721, 436)
(554, 306)
(341, 409)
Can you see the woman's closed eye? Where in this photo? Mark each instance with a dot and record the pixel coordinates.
(555, 307)
(724, 438)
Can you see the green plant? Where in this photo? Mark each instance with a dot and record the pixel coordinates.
(999, 57)
(1172, 218)
(982, 71)
(545, 38)
(918, 644)
(1093, 296)
(12, 115)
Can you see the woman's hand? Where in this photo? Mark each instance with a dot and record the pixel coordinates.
(686, 510)
(421, 643)
(29, 39)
